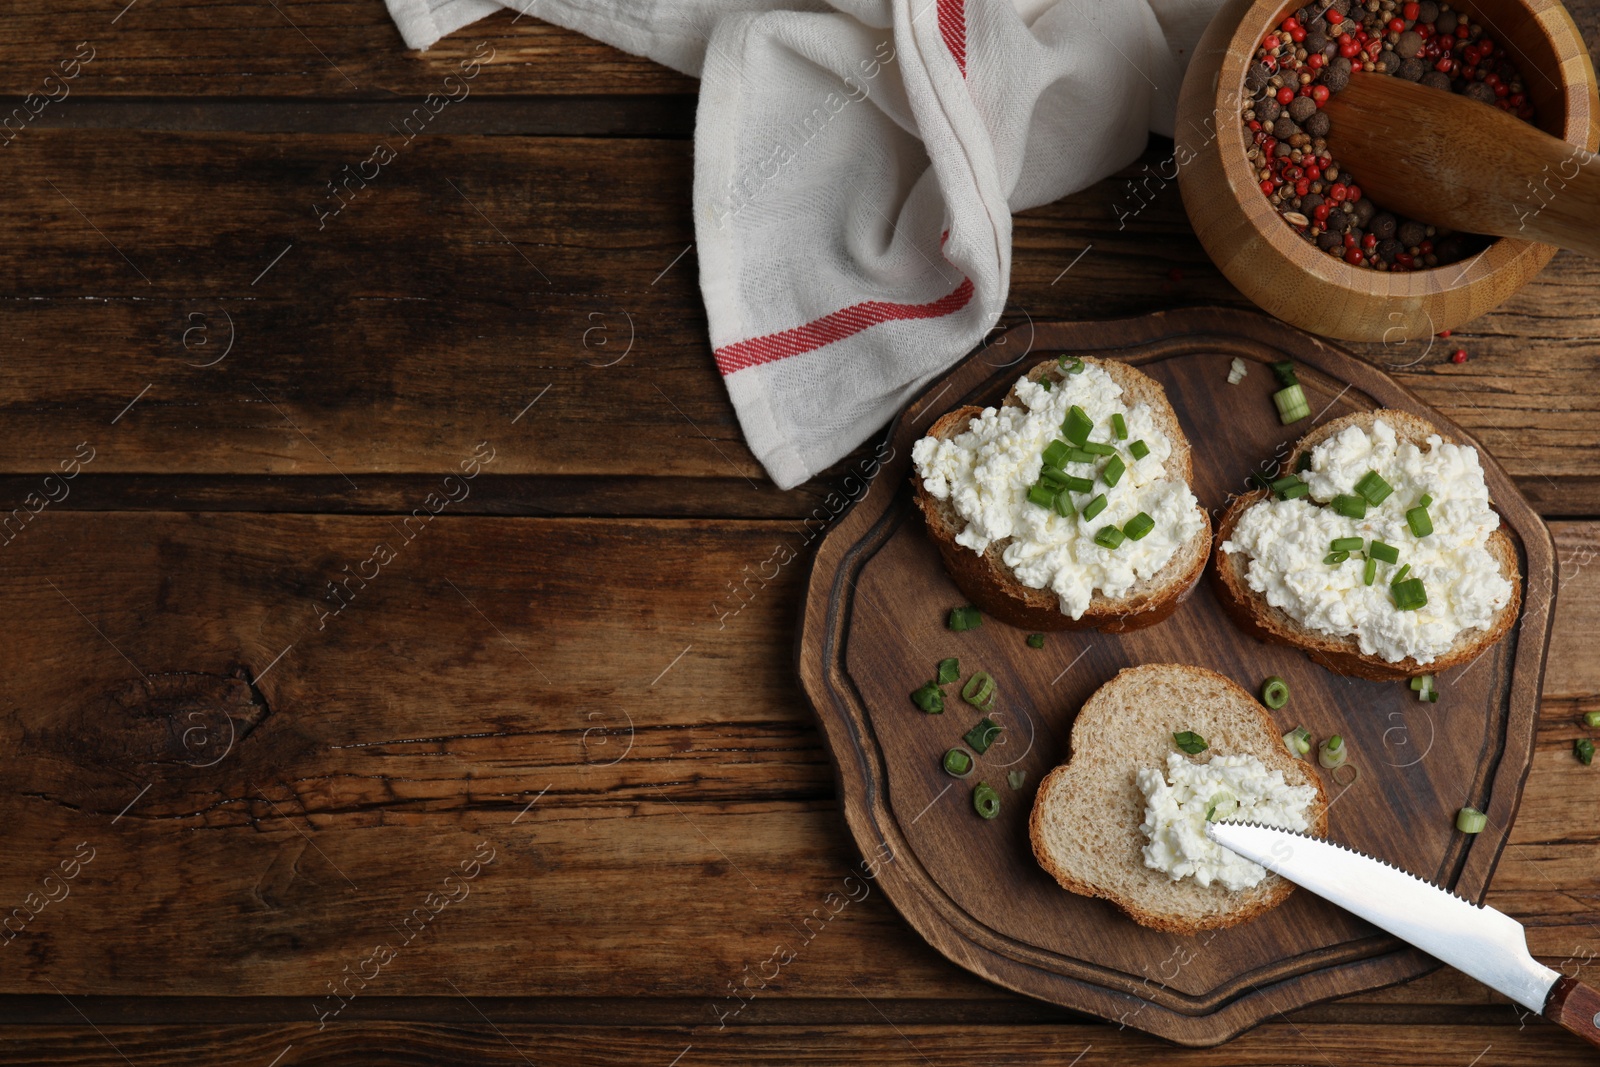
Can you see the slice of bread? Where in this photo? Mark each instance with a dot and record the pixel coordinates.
(1343, 655)
(990, 584)
(1086, 815)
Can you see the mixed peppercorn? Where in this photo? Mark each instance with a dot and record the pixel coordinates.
(1309, 57)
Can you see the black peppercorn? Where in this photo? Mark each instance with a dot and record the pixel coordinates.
(1256, 78)
(1389, 248)
(1267, 111)
(1383, 224)
(1317, 125)
(1302, 108)
(1284, 128)
(1411, 234)
(1316, 41)
(1364, 212)
(1446, 23)
(1337, 77)
(1412, 69)
(1434, 80)
(1428, 11)
(1478, 91)
(1327, 240)
(1409, 44)
(1388, 62)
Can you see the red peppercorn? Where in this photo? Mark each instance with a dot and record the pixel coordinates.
(1397, 25)
(1411, 11)
(1339, 192)
(1286, 96)
(1297, 35)
(1370, 241)
(1353, 256)
(1492, 81)
(1312, 172)
(1320, 94)
(1350, 240)
(1485, 45)
(1271, 43)
(1255, 127)
(1270, 62)
(1445, 333)
(1290, 23)
(1462, 31)
(1423, 30)
(1354, 193)
(1458, 356)
(1404, 259)
(1502, 91)
(1517, 100)
(1445, 65)
(1426, 248)
(1333, 17)
(1302, 187)
(1315, 60)
(1268, 185)
(1321, 211)
(1347, 46)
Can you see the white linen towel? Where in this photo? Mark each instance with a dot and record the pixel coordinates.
(856, 166)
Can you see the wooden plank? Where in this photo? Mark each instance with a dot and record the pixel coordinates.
(342, 48)
(410, 327)
(383, 747)
(478, 1038)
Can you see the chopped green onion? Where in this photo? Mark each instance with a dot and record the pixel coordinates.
(1075, 367)
(1420, 521)
(1138, 527)
(1333, 559)
(1139, 449)
(1080, 485)
(1036, 640)
(1332, 753)
(1015, 779)
(1055, 453)
(958, 761)
(1591, 719)
(1119, 426)
(1409, 595)
(1046, 383)
(1351, 507)
(1284, 484)
(1298, 742)
(1346, 544)
(1109, 537)
(985, 800)
(1275, 692)
(1053, 475)
(1113, 470)
(1303, 463)
(1295, 492)
(1370, 571)
(1400, 576)
(967, 618)
(1079, 455)
(1064, 506)
(1077, 426)
(1583, 748)
(1426, 688)
(1283, 369)
(1221, 805)
(981, 736)
(1426, 501)
(930, 698)
(949, 670)
(979, 691)
(1190, 742)
(1236, 371)
(1042, 495)
(1471, 821)
(1094, 507)
(1374, 488)
(1099, 448)
(1384, 553)
(1292, 404)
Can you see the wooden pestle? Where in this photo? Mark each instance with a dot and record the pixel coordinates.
(1448, 160)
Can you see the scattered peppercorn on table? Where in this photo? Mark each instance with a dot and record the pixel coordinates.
(401, 634)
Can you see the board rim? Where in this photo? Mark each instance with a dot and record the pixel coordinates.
(1199, 1020)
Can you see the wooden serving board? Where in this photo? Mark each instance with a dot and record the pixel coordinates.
(873, 628)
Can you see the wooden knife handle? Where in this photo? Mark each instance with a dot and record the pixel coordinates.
(1576, 1007)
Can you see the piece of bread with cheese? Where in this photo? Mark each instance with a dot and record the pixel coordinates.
(972, 440)
(1462, 566)
(1086, 819)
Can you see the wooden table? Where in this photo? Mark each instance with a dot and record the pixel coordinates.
(317, 750)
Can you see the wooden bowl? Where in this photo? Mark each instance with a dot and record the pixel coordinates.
(1290, 277)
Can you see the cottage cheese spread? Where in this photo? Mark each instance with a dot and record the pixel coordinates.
(985, 473)
(1175, 815)
(1287, 540)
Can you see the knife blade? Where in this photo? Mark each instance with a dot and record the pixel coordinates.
(1476, 939)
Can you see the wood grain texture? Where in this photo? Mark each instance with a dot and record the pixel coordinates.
(874, 625)
(408, 328)
(342, 48)
(414, 732)
(1292, 278)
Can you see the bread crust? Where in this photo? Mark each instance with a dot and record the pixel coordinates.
(1343, 655)
(990, 584)
(1266, 895)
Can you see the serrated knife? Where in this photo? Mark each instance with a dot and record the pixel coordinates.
(1487, 944)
